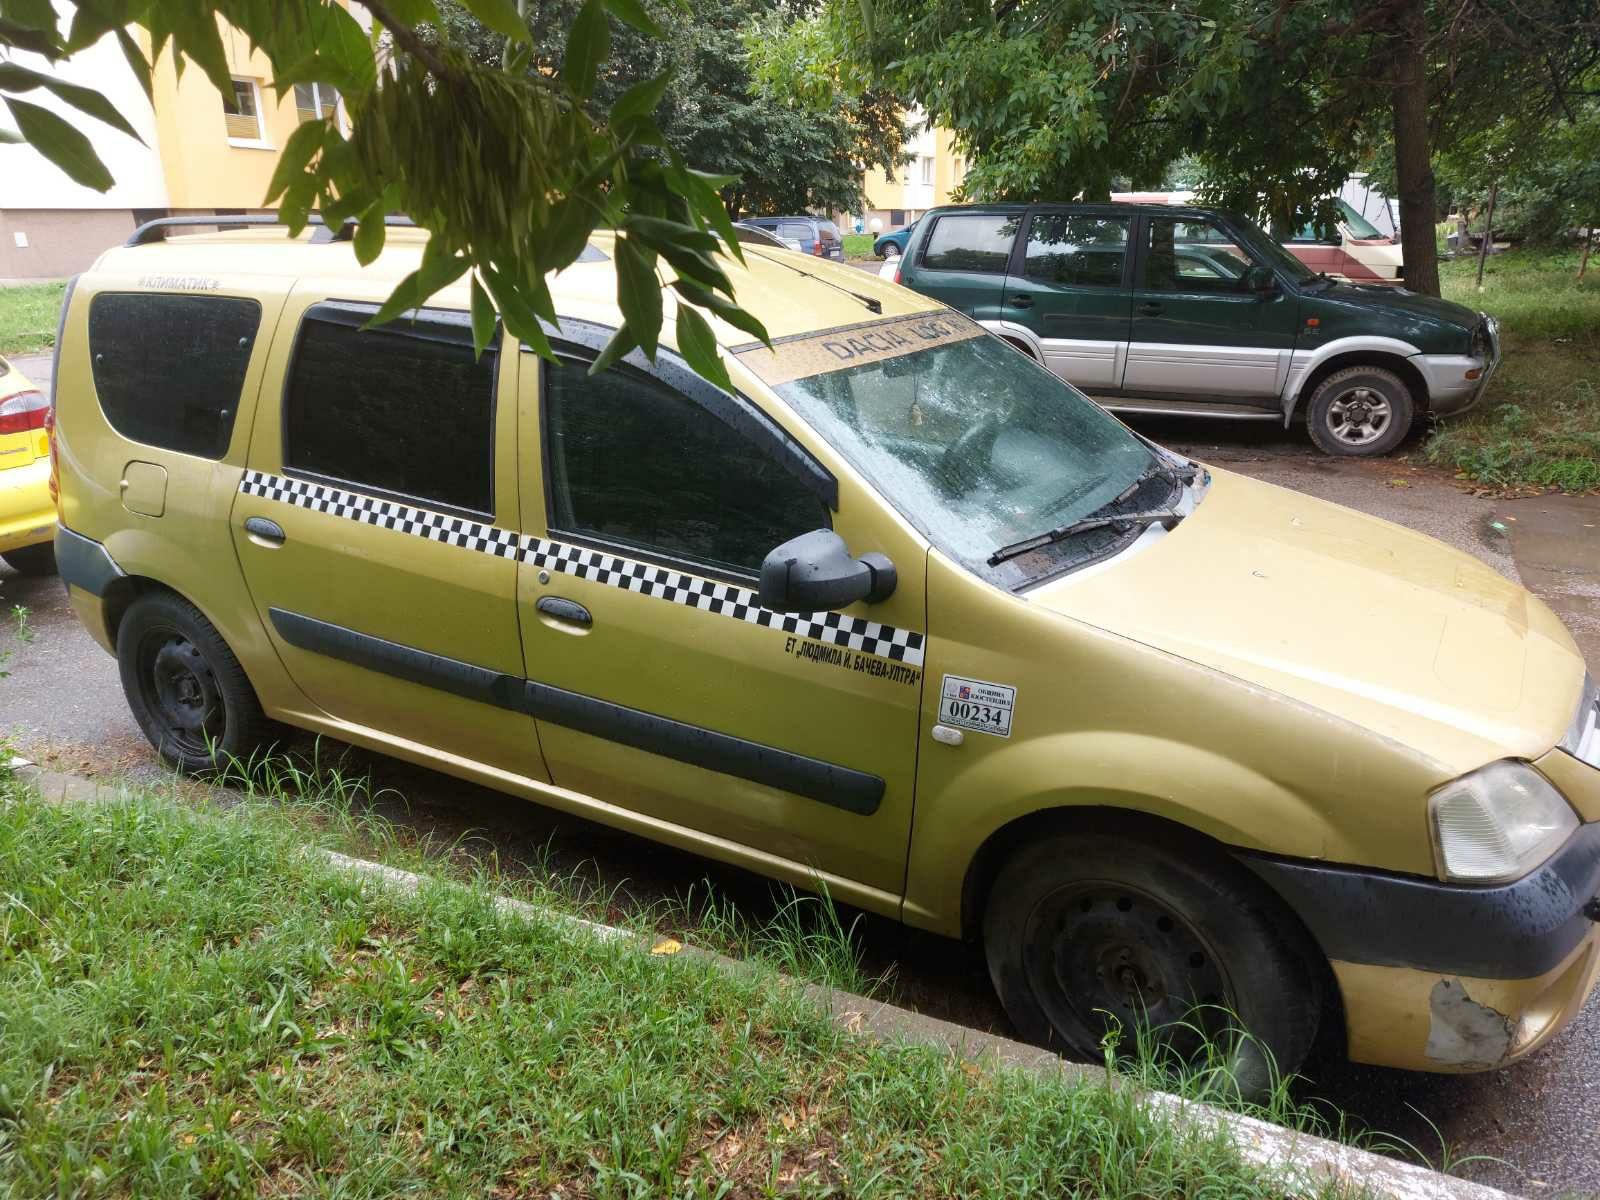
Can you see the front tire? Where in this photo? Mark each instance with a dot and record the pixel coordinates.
(1088, 934)
(1360, 411)
(186, 689)
(890, 250)
(39, 559)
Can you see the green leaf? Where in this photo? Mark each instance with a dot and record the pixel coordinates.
(16, 78)
(370, 233)
(633, 13)
(195, 33)
(136, 61)
(699, 347)
(726, 309)
(587, 46)
(688, 249)
(15, 36)
(641, 99)
(518, 314)
(500, 16)
(639, 293)
(438, 270)
(298, 152)
(621, 343)
(700, 190)
(483, 316)
(61, 143)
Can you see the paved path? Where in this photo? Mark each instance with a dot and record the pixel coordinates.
(63, 702)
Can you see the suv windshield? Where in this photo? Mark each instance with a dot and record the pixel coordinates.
(976, 444)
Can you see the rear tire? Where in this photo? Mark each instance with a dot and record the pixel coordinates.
(1089, 933)
(1360, 411)
(38, 559)
(890, 250)
(188, 692)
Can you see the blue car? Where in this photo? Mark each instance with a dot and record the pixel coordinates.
(809, 235)
(893, 245)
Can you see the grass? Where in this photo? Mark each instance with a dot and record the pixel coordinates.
(858, 245)
(28, 315)
(190, 1004)
(1539, 424)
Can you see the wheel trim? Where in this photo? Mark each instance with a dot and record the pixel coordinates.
(1360, 415)
(1101, 954)
(181, 693)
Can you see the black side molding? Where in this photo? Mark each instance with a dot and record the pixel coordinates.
(83, 562)
(1514, 930)
(827, 783)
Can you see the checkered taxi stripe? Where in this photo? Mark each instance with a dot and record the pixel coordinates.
(740, 604)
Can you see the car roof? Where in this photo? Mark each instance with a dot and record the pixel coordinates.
(788, 292)
(1113, 207)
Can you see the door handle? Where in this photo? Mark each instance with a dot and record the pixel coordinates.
(1022, 301)
(562, 609)
(264, 532)
(1150, 309)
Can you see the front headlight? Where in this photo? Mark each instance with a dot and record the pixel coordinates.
(1497, 824)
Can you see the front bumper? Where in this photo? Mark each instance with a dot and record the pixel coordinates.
(27, 514)
(1449, 390)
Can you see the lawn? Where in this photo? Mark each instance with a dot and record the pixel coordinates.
(1539, 424)
(28, 314)
(191, 1004)
(858, 245)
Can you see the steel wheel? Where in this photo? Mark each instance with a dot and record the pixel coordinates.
(1360, 416)
(181, 691)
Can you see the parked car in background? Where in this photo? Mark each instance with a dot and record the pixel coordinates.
(893, 245)
(27, 512)
(1190, 311)
(811, 235)
(1353, 251)
(757, 236)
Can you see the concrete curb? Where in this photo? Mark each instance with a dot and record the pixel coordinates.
(1306, 1164)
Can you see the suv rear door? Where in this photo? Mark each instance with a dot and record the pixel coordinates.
(961, 259)
(1069, 286)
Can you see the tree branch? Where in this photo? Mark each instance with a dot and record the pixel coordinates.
(406, 38)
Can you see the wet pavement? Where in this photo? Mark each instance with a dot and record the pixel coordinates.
(1541, 1119)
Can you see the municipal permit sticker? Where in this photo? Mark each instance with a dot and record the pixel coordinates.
(974, 704)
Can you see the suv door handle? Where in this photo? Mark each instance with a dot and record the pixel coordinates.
(1150, 308)
(566, 610)
(1022, 301)
(264, 532)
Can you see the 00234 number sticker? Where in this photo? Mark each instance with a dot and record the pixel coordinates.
(976, 704)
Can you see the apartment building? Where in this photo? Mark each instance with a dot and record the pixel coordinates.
(926, 181)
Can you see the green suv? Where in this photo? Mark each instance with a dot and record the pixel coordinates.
(1192, 311)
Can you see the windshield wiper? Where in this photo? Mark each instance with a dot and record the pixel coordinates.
(1122, 522)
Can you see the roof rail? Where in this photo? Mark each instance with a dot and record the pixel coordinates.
(152, 231)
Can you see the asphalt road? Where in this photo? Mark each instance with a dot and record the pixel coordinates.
(1540, 1119)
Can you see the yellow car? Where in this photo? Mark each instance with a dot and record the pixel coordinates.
(903, 615)
(27, 512)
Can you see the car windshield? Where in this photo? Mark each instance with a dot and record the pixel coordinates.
(1359, 226)
(976, 444)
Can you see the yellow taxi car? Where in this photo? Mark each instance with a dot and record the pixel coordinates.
(903, 615)
(27, 512)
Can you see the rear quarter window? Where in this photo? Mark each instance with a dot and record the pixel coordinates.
(971, 242)
(168, 369)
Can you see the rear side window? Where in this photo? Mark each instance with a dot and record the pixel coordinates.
(635, 463)
(971, 242)
(168, 369)
(402, 409)
(797, 230)
(1076, 250)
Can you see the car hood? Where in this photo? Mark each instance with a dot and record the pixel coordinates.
(1401, 303)
(1369, 622)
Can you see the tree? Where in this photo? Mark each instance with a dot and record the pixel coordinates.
(783, 157)
(1278, 100)
(510, 170)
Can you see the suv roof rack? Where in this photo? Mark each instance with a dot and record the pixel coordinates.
(152, 231)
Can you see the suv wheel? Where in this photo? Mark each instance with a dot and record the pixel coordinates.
(1360, 411)
(1088, 934)
(185, 687)
(32, 560)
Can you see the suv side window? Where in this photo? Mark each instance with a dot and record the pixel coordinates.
(971, 242)
(1080, 251)
(168, 369)
(403, 409)
(1185, 255)
(636, 464)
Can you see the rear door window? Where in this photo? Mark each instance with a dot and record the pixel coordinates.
(404, 409)
(971, 242)
(168, 368)
(1080, 251)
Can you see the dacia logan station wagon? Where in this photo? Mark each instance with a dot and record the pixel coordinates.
(903, 615)
(1157, 309)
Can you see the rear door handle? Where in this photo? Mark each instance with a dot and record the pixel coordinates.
(1150, 309)
(566, 610)
(1022, 301)
(264, 532)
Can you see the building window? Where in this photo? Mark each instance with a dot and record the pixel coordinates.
(927, 169)
(314, 101)
(241, 112)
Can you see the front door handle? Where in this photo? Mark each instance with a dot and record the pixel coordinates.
(1150, 309)
(1022, 301)
(264, 532)
(566, 610)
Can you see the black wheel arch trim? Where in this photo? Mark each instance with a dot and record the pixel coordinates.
(827, 783)
(82, 562)
(1516, 930)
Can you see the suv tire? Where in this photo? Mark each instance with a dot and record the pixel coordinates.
(188, 692)
(1360, 411)
(32, 560)
(1086, 933)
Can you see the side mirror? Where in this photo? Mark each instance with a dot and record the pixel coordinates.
(815, 573)
(1260, 279)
